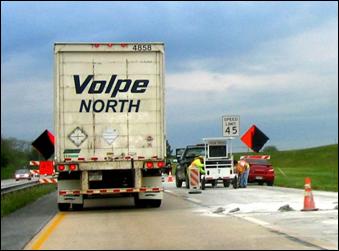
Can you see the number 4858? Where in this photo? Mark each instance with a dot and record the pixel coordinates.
(142, 47)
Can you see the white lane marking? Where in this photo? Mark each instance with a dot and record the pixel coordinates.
(193, 200)
(254, 220)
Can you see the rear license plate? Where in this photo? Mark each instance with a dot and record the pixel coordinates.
(95, 176)
(258, 178)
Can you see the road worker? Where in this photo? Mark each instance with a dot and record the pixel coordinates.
(198, 162)
(244, 169)
(239, 169)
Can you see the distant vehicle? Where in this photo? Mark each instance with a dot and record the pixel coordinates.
(261, 171)
(22, 174)
(184, 161)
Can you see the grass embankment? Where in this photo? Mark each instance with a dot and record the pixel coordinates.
(15, 200)
(319, 163)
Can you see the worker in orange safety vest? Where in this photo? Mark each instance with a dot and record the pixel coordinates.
(244, 169)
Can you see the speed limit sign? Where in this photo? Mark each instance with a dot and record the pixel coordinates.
(230, 125)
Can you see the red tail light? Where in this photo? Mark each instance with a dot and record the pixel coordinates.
(161, 164)
(61, 167)
(72, 167)
(149, 164)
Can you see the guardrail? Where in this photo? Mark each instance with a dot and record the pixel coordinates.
(15, 187)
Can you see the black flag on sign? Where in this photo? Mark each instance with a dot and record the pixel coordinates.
(254, 138)
(44, 144)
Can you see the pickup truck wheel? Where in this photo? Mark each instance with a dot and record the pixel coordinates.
(235, 182)
(178, 182)
(187, 182)
(203, 183)
(64, 206)
(214, 183)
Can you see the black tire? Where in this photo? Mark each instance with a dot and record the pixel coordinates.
(77, 207)
(226, 183)
(139, 203)
(270, 183)
(64, 206)
(146, 203)
(214, 183)
(235, 183)
(178, 182)
(154, 203)
(187, 182)
(203, 184)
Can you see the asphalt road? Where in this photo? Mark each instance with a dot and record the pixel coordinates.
(215, 219)
(18, 228)
(176, 225)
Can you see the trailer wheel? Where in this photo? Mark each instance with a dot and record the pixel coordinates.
(214, 183)
(139, 203)
(154, 203)
(226, 183)
(77, 207)
(64, 206)
(187, 182)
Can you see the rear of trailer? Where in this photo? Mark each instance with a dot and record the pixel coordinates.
(109, 122)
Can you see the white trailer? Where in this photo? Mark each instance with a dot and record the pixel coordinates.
(109, 122)
(218, 162)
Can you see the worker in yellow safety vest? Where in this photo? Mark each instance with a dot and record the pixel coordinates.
(198, 162)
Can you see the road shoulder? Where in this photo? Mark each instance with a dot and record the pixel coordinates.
(19, 227)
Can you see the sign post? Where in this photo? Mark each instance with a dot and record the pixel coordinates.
(230, 125)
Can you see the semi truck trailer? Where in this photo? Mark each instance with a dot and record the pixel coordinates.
(109, 122)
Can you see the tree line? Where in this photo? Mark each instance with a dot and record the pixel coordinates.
(16, 154)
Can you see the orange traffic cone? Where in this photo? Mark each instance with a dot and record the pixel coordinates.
(170, 177)
(308, 198)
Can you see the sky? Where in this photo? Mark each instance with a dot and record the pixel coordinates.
(275, 64)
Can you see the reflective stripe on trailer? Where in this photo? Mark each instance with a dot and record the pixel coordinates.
(94, 158)
(112, 191)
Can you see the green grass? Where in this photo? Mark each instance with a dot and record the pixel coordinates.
(18, 199)
(292, 167)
